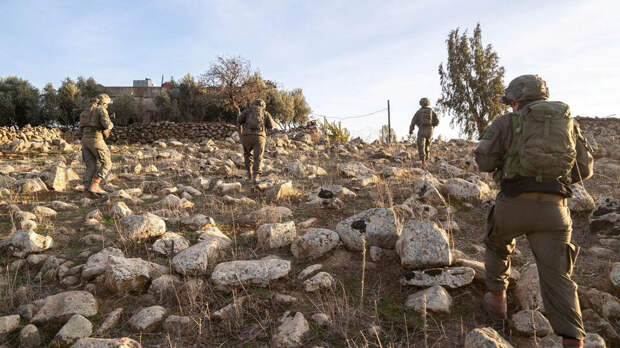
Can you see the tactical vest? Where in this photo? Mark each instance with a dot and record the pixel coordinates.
(255, 121)
(543, 143)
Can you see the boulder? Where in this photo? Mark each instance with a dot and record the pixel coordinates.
(605, 304)
(77, 327)
(136, 227)
(96, 263)
(276, 235)
(283, 190)
(354, 169)
(581, 201)
(377, 226)
(8, 324)
(62, 306)
(26, 242)
(124, 342)
(453, 277)
(251, 272)
(314, 243)
(178, 325)
(423, 244)
(529, 322)
(592, 340)
(614, 275)
(44, 212)
(148, 319)
(165, 286)
(29, 337)
(433, 299)
(461, 189)
(527, 289)
(110, 320)
(124, 275)
(268, 215)
(30, 186)
(170, 244)
(485, 338)
(57, 177)
(195, 259)
(119, 210)
(319, 281)
(292, 327)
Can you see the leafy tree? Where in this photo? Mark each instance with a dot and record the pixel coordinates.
(126, 109)
(280, 106)
(50, 104)
(19, 102)
(471, 82)
(301, 109)
(69, 102)
(167, 105)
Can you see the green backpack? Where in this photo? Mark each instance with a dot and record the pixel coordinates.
(255, 121)
(543, 143)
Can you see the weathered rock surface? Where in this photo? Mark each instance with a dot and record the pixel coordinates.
(77, 327)
(170, 244)
(433, 299)
(292, 327)
(319, 281)
(148, 319)
(276, 235)
(581, 201)
(466, 190)
(97, 263)
(252, 272)
(124, 342)
(423, 244)
(8, 324)
(62, 306)
(110, 320)
(25, 242)
(137, 227)
(527, 289)
(453, 277)
(314, 243)
(29, 337)
(485, 338)
(196, 259)
(377, 226)
(268, 215)
(529, 322)
(130, 274)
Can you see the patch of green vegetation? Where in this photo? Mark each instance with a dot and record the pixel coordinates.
(5, 229)
(392, 310)
(262, 292)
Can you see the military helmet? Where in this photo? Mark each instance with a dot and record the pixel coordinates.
(260, 102)
(425, 102)
(525, 88)
(103, 98)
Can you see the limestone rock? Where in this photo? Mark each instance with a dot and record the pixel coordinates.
(30, 186)
(164, 287)
(25, 242)
(120, 210)
(252, 272)
(423, 244)
(130, 274)
(170, 244)
(308, 271)
(136, 227)
(178, 325)
(315, 243)
(527, 289)
(64, 305)
(377, 226)
(592, 340)
(614, 275)
(29, 337)
(110, 320)
(148, 319)
(605, 304)
(44, 212)
(466, 190)
(433, 299)
(276, 235)
(527, 322)
(214, 233)
(581, 201)
(292, 327)
(124, 342)
(453, 277)
(8, 324)
(283, 190)
(195, 259)
(354, 169)
(319, 281)
(485, 338)
(77, 327)
(321, 319)
(268, 215)
(96, 263)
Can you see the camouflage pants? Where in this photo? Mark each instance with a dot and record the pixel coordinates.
(425, 135)
(96, 156)
(548, 228)
(253, 148)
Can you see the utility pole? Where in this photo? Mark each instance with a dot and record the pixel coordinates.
(389, 125)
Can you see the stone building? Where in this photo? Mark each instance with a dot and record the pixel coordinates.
(142, 91)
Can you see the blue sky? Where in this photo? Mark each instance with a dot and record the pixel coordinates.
(348, 56)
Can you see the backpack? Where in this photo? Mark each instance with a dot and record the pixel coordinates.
(427, 119)
(543, 143)
(256, 120)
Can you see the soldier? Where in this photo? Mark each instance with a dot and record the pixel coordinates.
(535, 152)
(425, 119)
(252, 123)
(95, 127)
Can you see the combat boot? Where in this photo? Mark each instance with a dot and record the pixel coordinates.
(87, 193)
(494, 303)
(256, 178)
(571, 343)
(95, 188)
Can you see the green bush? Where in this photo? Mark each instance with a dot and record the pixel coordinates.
(334, 131)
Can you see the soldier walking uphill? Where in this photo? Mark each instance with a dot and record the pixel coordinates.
(425, 119)
(535, 153)
(95, 127)
(253, 122)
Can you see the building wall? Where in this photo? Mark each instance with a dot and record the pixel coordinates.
(144, 96)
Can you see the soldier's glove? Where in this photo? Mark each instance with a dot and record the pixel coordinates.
(106, 133)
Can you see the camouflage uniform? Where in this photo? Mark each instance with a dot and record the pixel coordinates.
(94, 124)
(539, 210)
(425, 119)
(253, 140)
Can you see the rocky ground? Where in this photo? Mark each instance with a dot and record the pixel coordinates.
(339, 245)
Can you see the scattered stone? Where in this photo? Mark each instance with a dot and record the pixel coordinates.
(170, 244)
(8, 324)
(453, 277)
(148, 319)
(64, 305)
(136, 227)
(354, 169)
(25, 242)
(614, 275)
(485, 338)
(465, 190)
(195, 259)
(529, 322)
(124, 275)
(433, 299)
(77, 327)
(44, 212)
(292, 327)
(124, 342)
(314, 243)
(231, 310)
(377, 226)
(164, 287)
(30, 186)
(268, 215)
(321, 319)
(276, 235)
(527, 289)
(283, 190)
(423, 244)
(178, 325)
(308, 271)
(592, 340)
(29, 337)
(253, 272)
(110, 320)
(120, 210)
(321, 280)
(581, 201)
(605, 304)
(96, 263)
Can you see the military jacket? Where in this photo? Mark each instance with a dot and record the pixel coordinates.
(421, 119)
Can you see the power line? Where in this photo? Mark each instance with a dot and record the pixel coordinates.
(349, 117)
